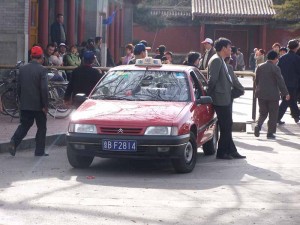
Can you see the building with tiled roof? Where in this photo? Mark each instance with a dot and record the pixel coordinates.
(233, 8)
(247, 23)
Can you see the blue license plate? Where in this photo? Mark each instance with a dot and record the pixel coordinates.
(119, 145)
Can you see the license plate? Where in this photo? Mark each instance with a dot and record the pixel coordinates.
(119, 145)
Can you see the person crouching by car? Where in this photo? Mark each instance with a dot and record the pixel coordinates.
(83, 78)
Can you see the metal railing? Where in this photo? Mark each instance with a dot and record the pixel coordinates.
(55, 67)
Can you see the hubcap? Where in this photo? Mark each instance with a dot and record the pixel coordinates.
(188, 153)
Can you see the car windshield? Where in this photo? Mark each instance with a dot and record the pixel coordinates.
(143, 86)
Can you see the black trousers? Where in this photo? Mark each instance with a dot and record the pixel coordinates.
(292, 103)
(225, 144)
(26, 121)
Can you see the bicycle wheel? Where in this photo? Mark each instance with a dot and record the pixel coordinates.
(57, 108)
(10, 103)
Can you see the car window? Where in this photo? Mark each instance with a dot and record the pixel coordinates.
(196, 85)
(143, 85)
(202, 80)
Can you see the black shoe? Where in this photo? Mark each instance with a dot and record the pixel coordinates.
(225, 156)
(43, 154)
(256, 131)
(280, 122)
(296, 119)
(271, 136)
(237, 155)
(12, 148)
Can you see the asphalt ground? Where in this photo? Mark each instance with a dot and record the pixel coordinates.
(263, 189)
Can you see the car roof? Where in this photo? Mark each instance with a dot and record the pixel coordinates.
(163, 67)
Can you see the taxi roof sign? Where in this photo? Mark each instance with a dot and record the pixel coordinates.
(148, 61)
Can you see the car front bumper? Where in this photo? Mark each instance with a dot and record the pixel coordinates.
(147, 146)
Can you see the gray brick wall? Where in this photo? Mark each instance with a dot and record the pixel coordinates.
(13, 30)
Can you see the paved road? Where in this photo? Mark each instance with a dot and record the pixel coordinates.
(264, 189)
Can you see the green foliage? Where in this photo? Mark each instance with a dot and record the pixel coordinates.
(142, 16)
(288, 10)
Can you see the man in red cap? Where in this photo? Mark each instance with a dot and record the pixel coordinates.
(209, 52)
(32, 89)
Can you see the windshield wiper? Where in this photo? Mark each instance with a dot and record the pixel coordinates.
(111, 97)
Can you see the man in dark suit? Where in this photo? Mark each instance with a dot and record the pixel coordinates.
(32, 86)
(209, 52)
(219, 88)
(290, 69)
(269, 85)
(58, 34)
(83, 79)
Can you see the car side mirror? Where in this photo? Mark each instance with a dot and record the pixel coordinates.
(79, 99)
(204, 100)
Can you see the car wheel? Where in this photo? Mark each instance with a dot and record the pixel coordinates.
(188, 158)
(210, 147)
(78, 161)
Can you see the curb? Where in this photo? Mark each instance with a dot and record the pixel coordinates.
(56, 139)
(239, 126)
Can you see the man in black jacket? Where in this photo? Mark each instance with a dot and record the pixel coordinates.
(57, 32)
(83, 79)
(290, 69)
(32, 86)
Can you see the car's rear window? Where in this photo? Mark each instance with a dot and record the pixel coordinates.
(144, 86)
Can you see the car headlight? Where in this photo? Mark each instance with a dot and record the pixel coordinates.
(83, 128)
(173, 131)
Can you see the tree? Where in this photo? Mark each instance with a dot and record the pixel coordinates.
(142, 16)
(288, 10)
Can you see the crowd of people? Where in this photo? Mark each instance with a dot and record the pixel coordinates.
(277, 77)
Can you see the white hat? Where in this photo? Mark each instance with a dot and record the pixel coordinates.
(62, 44)
(207, 40)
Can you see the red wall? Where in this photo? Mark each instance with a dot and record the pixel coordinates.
(182, 39)
(282, 36)
(177, 39)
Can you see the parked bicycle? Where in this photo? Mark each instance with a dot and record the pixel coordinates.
(9, 98)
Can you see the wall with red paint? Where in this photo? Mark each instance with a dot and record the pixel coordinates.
(282, 36)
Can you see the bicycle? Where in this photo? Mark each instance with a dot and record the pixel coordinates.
(9, 98)
(57, 108)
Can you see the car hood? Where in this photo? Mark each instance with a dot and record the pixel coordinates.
(108, 111)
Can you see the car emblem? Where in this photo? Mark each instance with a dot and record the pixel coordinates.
(120, 131)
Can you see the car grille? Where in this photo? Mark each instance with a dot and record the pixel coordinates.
(121, 131)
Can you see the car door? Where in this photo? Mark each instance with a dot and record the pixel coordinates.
(200, 113)
(210, 116)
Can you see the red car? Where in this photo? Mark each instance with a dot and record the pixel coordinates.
(147, 110)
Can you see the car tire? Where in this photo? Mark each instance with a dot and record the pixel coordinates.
(188, 157)
(78, 161)
(210, 147)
